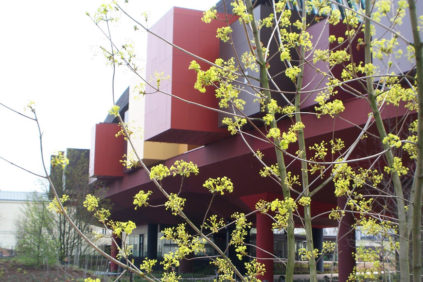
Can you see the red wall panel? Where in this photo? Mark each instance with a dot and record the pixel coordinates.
(169, 119)
(107, 151)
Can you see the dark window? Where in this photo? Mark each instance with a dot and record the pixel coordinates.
(141, 246)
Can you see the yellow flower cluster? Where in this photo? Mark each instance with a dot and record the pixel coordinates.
(360, 203)
(179, 167)
(335, 17)
(54, 206)
(283, 209)
(124, 131)
(292, 72)
(209, 15)
(336, 214)
(332, 108)
(234, 124)
(175, 203)
(254, 269)
(102, 215)
(369, 226)
(59, 159)
(372, 268)
(183, 168)
(274, 133)
(328, 247)
(240, 10)
(187, 244)
(285, 17)
(223, 269)
(397, 167)
(351, 19)
(219, 185)
(291, 180)
(223, 33)
(221, 76)
(249, 61)
(239, 234)
(392, 140)
(345, 178)
(383, 6)
(141, 199)
(285, 55)
(129, 162)
(304, 201)
(148, 264)
(306, 255)
(159, 172)
(397, 94)
(214, 224)
(336, 145)
(342, 179)
(114, 111)
(91, 202)
(410, 146)
(269, 170)
(320, 150)
(89, 279)
(267, 21)
(171, 277)
(383, 47)
(120, 226)
(291, 135)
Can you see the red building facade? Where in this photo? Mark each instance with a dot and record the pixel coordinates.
(175, 120)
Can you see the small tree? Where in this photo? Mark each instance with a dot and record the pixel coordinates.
(72, 180)
(36, 241)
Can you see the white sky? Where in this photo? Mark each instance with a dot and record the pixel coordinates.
(50, 54)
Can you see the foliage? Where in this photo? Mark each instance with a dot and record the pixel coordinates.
(36, 242)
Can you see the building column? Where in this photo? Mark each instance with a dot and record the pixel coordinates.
(264, 242)
(318, 244)
(152, 233)
(346, 243)
(114, 251)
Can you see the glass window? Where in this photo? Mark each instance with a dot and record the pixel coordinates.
(141, 245)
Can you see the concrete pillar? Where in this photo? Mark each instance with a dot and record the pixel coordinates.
(318, 244)
(264, 240)
(346, 244)
(152, 233)
(114, 252)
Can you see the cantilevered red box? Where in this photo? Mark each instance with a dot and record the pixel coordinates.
(169, 119)
(107, 151)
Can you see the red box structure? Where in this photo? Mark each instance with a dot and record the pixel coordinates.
(107, 151)
(169, 119)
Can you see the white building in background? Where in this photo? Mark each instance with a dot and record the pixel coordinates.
(12, 205)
